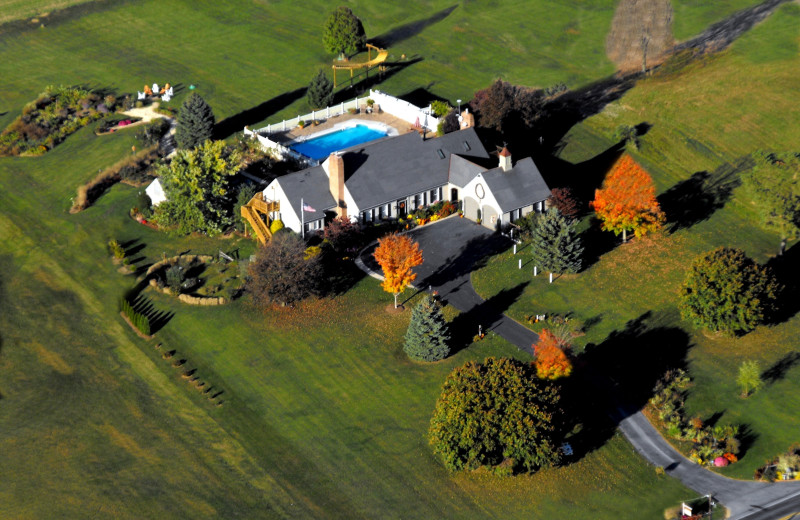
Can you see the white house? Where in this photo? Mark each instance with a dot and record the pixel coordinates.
(390, 177)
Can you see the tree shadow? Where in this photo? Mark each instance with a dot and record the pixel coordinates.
(785, 269)
(778, 371)
(339, 277)
(158, 319)
(596, 243)
(410, 29)
(617, 377)
(695, 199)
(237, 122)
(421, 97)
(488, 314)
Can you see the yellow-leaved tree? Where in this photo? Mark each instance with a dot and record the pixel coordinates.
(397, 255)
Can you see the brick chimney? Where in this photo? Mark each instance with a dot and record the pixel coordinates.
(505, 159)
(336, 182)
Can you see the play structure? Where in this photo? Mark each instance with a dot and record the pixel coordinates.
(371, 62)
(258, 212)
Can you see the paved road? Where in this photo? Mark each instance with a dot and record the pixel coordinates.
(453, 248)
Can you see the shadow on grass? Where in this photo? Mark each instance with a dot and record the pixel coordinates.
(778, 371)
(158, 319)
(596, 243)
(616, 378)
(237, 122)
(339, 277)
(785, 269)
(697, 198)
(346, 91)
(411, 29)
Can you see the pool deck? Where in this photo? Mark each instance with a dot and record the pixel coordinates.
(296, 133)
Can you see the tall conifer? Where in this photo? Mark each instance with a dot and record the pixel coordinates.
(556, 246)
(195, 122)
(427, 336)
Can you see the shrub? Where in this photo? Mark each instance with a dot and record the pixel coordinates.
(726, 291)
(440, 108)
(276, 226)
(427, 336)
(281, 274)
(493, 412)
(551, 361)
(116, 250)
(343, 234)
(152, 132)
(175, 276)
(144, 204)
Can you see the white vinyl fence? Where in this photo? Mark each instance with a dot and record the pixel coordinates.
(389, 104)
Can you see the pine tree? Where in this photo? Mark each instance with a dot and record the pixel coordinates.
(320, 91)
(556, 246)
(195, 122)
(427, 335)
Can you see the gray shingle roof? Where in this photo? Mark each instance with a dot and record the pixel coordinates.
(386, 170)
(312, 186)
(462, 171)
(521, 186)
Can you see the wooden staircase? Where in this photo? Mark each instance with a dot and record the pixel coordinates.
(258, 213)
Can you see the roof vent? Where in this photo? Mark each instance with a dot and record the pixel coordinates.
(467, 147)
(441, 153)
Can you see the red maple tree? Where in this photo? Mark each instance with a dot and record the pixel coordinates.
(551, 361)
(397, 255)
(627, 200)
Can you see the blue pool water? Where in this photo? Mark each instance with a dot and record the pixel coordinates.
(321, 147)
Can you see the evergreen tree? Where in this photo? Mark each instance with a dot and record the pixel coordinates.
(343, 33)
(195, 122)
(320, 91)
(555, 245)
(427, 335)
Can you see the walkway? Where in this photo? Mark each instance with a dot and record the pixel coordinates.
(454, 247)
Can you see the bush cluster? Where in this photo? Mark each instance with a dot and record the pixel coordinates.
(139, 320)
(431, 213)
(55, 114)
(709, 442)
(785, 466)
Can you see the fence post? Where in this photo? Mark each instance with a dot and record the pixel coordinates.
(284, 125)
(341, 109)
(327, 112)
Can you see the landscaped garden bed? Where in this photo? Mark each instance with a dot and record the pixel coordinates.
(55, 114)
(427, 214)
(197, 279)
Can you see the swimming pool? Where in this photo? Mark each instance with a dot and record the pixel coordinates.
(322, 146)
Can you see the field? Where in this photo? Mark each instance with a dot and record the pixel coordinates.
(699, 124)
(323, 416)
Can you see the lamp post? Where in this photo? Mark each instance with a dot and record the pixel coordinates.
(459, 109)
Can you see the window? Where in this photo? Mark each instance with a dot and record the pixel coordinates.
(382, 212)
(388, 211)
(433, 196)
(417, 201)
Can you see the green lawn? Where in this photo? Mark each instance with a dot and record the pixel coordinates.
(247, 56)
(699, 122)
(323, 414)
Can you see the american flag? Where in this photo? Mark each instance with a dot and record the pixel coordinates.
(308, 208)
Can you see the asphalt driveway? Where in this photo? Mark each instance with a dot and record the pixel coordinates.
(452, 249)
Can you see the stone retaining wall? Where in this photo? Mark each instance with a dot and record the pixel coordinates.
(185, 298)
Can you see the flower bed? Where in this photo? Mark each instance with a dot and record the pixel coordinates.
(55, 114)
(785, 466)
(197, 279)
(708, 445)
(424, 215)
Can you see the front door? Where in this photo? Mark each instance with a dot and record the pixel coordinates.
(401, 208)
(454, 194)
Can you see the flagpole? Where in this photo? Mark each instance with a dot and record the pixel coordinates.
(302, 219)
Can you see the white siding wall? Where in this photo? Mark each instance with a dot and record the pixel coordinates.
(488, 199)
(287, 214)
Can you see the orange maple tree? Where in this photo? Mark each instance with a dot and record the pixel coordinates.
(551, 361)
(397, 255)
(627, 200)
